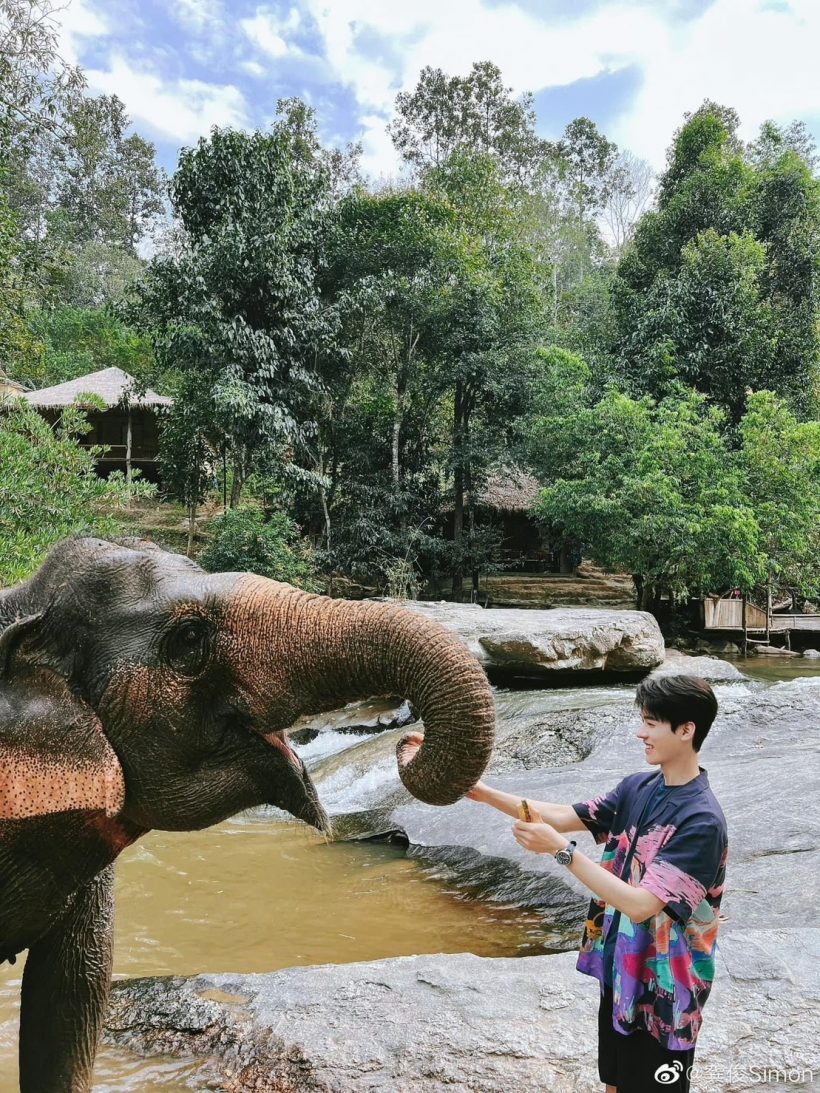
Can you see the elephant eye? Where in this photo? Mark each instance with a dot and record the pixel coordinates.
(188, 647)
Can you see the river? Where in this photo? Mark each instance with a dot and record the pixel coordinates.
(258, 893)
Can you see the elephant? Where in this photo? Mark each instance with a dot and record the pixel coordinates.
(138, 691)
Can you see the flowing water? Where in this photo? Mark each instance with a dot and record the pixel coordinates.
(259, 893)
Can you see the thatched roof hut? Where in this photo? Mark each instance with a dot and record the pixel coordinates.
(10, 388)
(112, 385)
(127, 429)
(512, 491)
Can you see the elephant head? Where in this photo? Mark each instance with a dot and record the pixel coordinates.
(131, 681)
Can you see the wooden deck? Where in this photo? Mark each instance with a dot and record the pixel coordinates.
(727, 614)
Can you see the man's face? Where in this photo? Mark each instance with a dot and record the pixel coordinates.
(661, 744)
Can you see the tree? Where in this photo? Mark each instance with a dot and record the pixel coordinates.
(588, 159)
(627, 197)
(719, 288)
(243, 541)
(108, 185)
(780, 458)
(473, 113)
(186, 452)
(48, 488)
(236, 305)
(654, 490)
(486, 351)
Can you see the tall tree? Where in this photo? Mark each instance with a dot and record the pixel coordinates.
(475, 112)
(719, 289)
(237, 302)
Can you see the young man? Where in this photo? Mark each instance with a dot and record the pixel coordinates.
(653, 920)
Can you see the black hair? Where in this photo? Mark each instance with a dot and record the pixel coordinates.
(678, 699)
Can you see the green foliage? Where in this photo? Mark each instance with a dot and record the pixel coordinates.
(76, 341)
(236, 305)
(655, 490)
(48, 488)
(720, 288)
(780, 459)
(474, 113)
(244, 541)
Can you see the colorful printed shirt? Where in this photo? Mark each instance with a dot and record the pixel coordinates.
(662, 968)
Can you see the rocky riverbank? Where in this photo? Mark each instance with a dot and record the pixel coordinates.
(441, 1023)
(461, 1022)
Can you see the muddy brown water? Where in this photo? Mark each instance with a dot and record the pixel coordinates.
(255, 894)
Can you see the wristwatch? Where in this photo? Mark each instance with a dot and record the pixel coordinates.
(564, 857)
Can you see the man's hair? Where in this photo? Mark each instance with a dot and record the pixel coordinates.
(679, 699)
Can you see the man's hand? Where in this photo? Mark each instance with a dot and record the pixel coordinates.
(477, 793)
(539, 838)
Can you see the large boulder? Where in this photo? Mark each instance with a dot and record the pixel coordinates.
(545, 643)
(441, 1023)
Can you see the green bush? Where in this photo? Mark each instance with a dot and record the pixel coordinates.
(244, 542)
(48, 488)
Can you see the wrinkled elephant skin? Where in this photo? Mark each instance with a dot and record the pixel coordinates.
(139, 692)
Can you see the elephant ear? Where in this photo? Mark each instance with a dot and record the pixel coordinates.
(54, 755)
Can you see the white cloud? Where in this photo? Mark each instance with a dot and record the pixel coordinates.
(78, 21)
(198, 14)
(750, 54)
(267, 31)
(180, 110)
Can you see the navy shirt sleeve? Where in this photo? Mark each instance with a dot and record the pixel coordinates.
(598, 813)
(688, 866)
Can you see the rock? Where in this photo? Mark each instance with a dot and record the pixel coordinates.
(761, 754)
(725, 648)
(542, 643)
(441, 1023)
(436, 1023)
(811, 654)
(358, 718)
(773, 651)
(708, 668)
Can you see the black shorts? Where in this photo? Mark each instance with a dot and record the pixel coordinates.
(637, 1063)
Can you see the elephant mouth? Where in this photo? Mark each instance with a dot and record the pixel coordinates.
(278, 740)
(296, 792)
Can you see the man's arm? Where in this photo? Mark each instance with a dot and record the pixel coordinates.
(636, 903)
(561, 817)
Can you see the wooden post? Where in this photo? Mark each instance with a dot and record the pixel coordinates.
(128, 458)
(743, 624)
(768, 613)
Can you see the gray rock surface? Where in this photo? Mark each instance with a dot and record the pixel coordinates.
(461, 1022)
(712, 669)
(540, 643)
(436, 1024)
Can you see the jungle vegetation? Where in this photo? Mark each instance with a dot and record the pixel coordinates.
(349, 361)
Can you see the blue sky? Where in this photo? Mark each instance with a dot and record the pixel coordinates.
(633, 66)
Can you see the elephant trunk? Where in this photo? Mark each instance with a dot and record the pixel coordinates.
(318, 653)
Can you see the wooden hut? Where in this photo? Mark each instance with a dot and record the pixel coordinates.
(507, 500)
(9, 388)
(127, 429)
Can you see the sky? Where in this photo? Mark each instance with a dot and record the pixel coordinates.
(633, 66)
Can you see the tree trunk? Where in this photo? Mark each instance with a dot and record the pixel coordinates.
(458, 499)
(468, 483)
(637, 580)
(128, 473)
(238, 477)
(192, 509)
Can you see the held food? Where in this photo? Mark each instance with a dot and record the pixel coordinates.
(524, 812)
